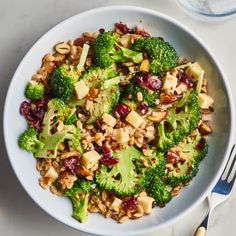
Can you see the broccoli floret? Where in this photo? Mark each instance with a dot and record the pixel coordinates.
(124, 178)
(34, 90)
(162, 54)
(62, 83)
(131, 90)
(71, 120)
(51, 135)
(95, 77)
(179, 122)
(156, 188)
(192, 150)
(29, 141)
(107, 51)
(104, 103)
(79, 196)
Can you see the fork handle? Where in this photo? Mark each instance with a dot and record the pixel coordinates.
(202, 228)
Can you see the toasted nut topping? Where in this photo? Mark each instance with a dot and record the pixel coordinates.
(139, 96)
(157, 116)
(205, 129)
(62, 48)
(123, 219)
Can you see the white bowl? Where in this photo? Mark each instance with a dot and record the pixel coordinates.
(188, 45)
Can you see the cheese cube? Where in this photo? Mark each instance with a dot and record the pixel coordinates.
(52, 174)
(81, 89)
(146, 203)
(109, 120)
(120, 135)
(116, 204)
(194, 71)
(134, 119)
(145, 65)
(90, 159)
(169, 83)
(205, 101)
(181, 88)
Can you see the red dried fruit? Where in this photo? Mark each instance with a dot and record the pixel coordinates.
(149, 81)
(201, 144)
(72, 163)
(123, 28)
(185, 79)
(121, 111)
(173, 157)
(130, 203)
(107, 158)
(142, 108)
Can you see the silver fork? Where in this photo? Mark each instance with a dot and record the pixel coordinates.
(220, 192)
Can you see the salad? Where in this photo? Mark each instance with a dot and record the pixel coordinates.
(117, 122)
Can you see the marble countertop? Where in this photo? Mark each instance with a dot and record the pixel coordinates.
(21, 24)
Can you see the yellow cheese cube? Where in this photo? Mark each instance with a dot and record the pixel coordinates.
(146, 203)
(205, 101)
(169, 83)
(90, 159)
(52, 174)
(134, 119)
(181, 88)
(81, 89)
(120, 135)
(109, 120)
(145, 65)
(116, 204)
(194, 71)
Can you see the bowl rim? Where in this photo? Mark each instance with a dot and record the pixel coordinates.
(154, 13)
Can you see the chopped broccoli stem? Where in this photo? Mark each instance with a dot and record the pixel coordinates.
(182, 119)
(123, 178)
(34, 90)
(162, 54)
(183, 172)
(29, 141)
(79, 196)
(107, 51)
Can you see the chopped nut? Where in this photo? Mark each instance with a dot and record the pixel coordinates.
(82, 171)
(123, 219)
(62, 48)
(69, 154)
(139, 96)
(157, 116)
(147, 152)
(88, 105)
(66, 180)
(45, 182)
(140, 212)
(120, 135)
(205, 129)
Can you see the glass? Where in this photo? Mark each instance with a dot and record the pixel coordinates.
(210, 9)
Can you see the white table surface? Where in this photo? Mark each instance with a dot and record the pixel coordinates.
(21, 24)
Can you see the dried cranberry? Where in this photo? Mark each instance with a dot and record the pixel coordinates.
(123, 28)
(149, 81)
(142, 108)
(185, 79)
(130, 203)
(99, 124)
(121, 111)
(72, 163)
(102, 30)
(107, 158)
(201, 144)
(172, 157)
(25, 110)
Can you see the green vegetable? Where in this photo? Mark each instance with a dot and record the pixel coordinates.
(183, 172)
(95, 77)
(55, 113)
(79, 196)
(179, 122)
(162, 54)
(156, 188)
(71, 120)
(34, 90)
(62, 83)
(107, 51)
(29, 141)
(124, 178)
(131, 90)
